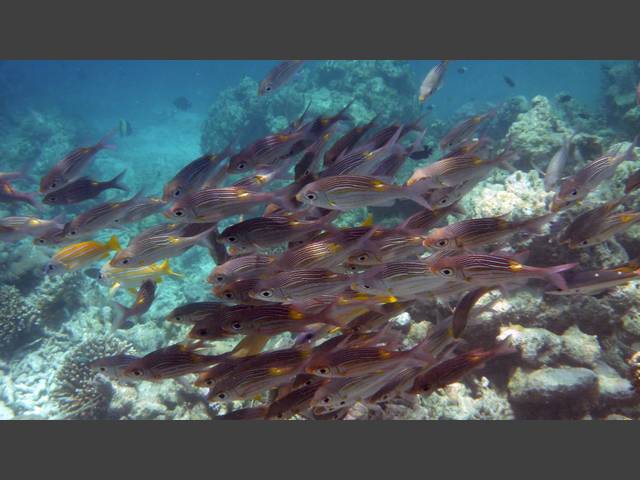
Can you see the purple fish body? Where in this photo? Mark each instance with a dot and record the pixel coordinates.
(81, 190)
(144, 299)
(278, 76)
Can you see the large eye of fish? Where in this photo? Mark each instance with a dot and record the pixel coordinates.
(442, 243)
(584, 242)
(268, 88)
(573, 192)
(323, 371)
(447, 272)
(177, 192)
(125, 261)
(178, 212)
(310, 196)
(103, 369)
(363, 258)
(52, 199)
(266, 293)
(228, 295)
(53, 185)
(241, 166)
(236, 325)
(137, 373)
(222, 395)
(326, 399)
(231, 239)
(209, 382)
(73, 232)
(444, 200)
(365, 286)
(40, 241)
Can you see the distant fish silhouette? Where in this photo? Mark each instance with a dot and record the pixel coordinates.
(462, 70)
(124, 128)
(509, 81)
(182, 103)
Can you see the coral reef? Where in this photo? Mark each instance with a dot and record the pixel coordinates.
(17, 318)
(78, 391)
(375, 86)
(622, 115)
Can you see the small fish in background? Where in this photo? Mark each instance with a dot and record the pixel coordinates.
(556, 165)
(576, 187)
(194, 312)
(8, 194)
(105, 215)
(143, 208)
(78, 255)
(113, 366)
(170, 362)
(594, 282)
(73, 165)
(182, 103)
(462, 70)
(144, 299)
(462, 132)
(606, 228)
(83, 189)
(30, 226)
(632, 183)
(432, 81)
(564, 98)
(509, 81)
(278, 76)
(124, 128)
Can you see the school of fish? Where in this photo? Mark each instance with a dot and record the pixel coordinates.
(285, 267)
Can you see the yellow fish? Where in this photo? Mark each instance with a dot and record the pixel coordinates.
(77, 255)
(134, 277)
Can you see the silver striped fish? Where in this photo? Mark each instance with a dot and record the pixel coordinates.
(293, 285)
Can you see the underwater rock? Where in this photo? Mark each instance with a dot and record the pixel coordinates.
(537, 133)
(538, 346)
(507, 114)
(17, 318)
(382, 87)
(619, 82)
(79, 392)
(580, 349)
(614, 390)
(552, 392)
(458, 402)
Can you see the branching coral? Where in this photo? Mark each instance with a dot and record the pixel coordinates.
(17, 317)
(77, 391)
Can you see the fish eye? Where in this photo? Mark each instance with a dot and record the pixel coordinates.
(103, 369)
(177, 192)
(236, 325)
(209, 382)
(364, 285)
(310, 196)
(308, 382)
(326, 399)
(268, 88)
(178, 212)
(342, 402)
(231, 239)
(266, 293)
(137, 373)
(323, 371)
(53, 185)
(125, 261)
(219, 279)
(363, 258)
(447, 272)
(573, 192)
(73, 232)
(40, 241)
(177, 318)
(584, 242)
(228, 295)
(222, 395)
(202, 332)
(52, 199)
(241, 166)
(444, 200)
(442, 243)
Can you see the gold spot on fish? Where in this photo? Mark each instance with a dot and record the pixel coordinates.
(296, 315)
(334, 330)
(384, 354)
(626, 218)
(379, 185)
(515, 266)
(477, 161)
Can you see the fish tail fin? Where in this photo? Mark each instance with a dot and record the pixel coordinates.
(115, 181)
(166, 269)
(535, 225)
(415, 192)
(114, 244)
(103, 142)
(120, 316)
(553, 274)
